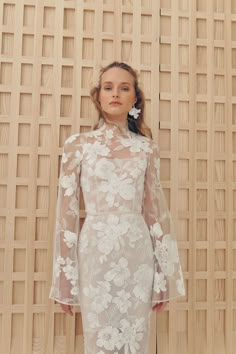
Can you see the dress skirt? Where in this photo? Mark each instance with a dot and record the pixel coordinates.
(116, 265)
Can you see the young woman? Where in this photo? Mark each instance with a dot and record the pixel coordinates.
(124, 262)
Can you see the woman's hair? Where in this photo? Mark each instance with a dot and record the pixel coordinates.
(135, 125)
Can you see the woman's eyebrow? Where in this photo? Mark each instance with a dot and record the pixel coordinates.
(122, 83)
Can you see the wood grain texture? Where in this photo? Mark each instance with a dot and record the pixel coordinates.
(185, 54)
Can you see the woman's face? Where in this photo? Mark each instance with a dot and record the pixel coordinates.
(117, 94)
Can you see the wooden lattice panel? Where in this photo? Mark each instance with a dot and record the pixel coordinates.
(51, 53)
(197, 137)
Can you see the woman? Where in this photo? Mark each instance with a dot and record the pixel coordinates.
(124, 261)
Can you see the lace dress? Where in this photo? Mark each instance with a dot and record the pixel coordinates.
(125, 258)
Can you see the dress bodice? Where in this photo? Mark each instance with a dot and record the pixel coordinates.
(113, 168)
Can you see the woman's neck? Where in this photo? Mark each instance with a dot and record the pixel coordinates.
(122, 124)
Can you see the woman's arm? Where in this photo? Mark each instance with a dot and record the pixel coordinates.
(168, 279)
(65, 284)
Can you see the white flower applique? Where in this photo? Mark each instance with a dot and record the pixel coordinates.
(156, 230)
(109, 134)
(119, 272)
(104, 169)
(73, 209)
(76, 160)
(166, 253)
(100, 295)
(70, 238)
(94, 133)
(78, 156)
(136, 145)
(91, 151)
(120, 185)
(65, 157)
(122, 301)
(58, 265)
(159, 283)
(138, 169)
(131, 335)
(93, 319)
(106, 243)
(71, 139)
(69, 184)
(108, 338)
(83, 243)
(71, 273)
(112, 182)
(118, 227)
(142, 277)
(134, 235)
(157, 166)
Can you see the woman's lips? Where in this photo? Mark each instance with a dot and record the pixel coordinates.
(115, 104)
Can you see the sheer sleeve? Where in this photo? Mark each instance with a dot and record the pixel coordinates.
(65, 282)
(168, 279)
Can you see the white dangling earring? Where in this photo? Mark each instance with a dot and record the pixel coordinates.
(134, 112)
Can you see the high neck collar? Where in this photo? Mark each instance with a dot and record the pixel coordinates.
(117, 130)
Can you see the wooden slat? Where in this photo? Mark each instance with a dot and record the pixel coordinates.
(229, 233)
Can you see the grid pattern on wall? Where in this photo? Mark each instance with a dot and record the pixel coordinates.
(51, 52)
(198, 143)
(185, 53)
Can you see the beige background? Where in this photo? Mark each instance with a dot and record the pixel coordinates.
(185, 52)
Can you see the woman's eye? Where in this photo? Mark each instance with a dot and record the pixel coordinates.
(107, 88)
(125, 89)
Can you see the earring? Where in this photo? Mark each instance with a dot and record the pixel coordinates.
(134, 112)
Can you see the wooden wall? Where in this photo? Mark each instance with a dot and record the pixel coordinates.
(185, 52)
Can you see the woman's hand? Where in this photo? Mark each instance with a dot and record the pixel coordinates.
(67, 309)
(160, 306)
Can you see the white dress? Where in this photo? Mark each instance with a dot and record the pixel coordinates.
(125, 258)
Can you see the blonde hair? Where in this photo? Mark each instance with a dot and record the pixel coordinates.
(135, 125)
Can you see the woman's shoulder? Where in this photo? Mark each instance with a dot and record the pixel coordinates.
(79, 139)
(74, 143)
(73, 139)
(148, 141)
(153, 144)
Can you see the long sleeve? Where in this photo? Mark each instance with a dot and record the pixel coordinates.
(65, 282)
(168, 279)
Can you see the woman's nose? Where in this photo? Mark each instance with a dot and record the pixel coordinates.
(115, 93)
